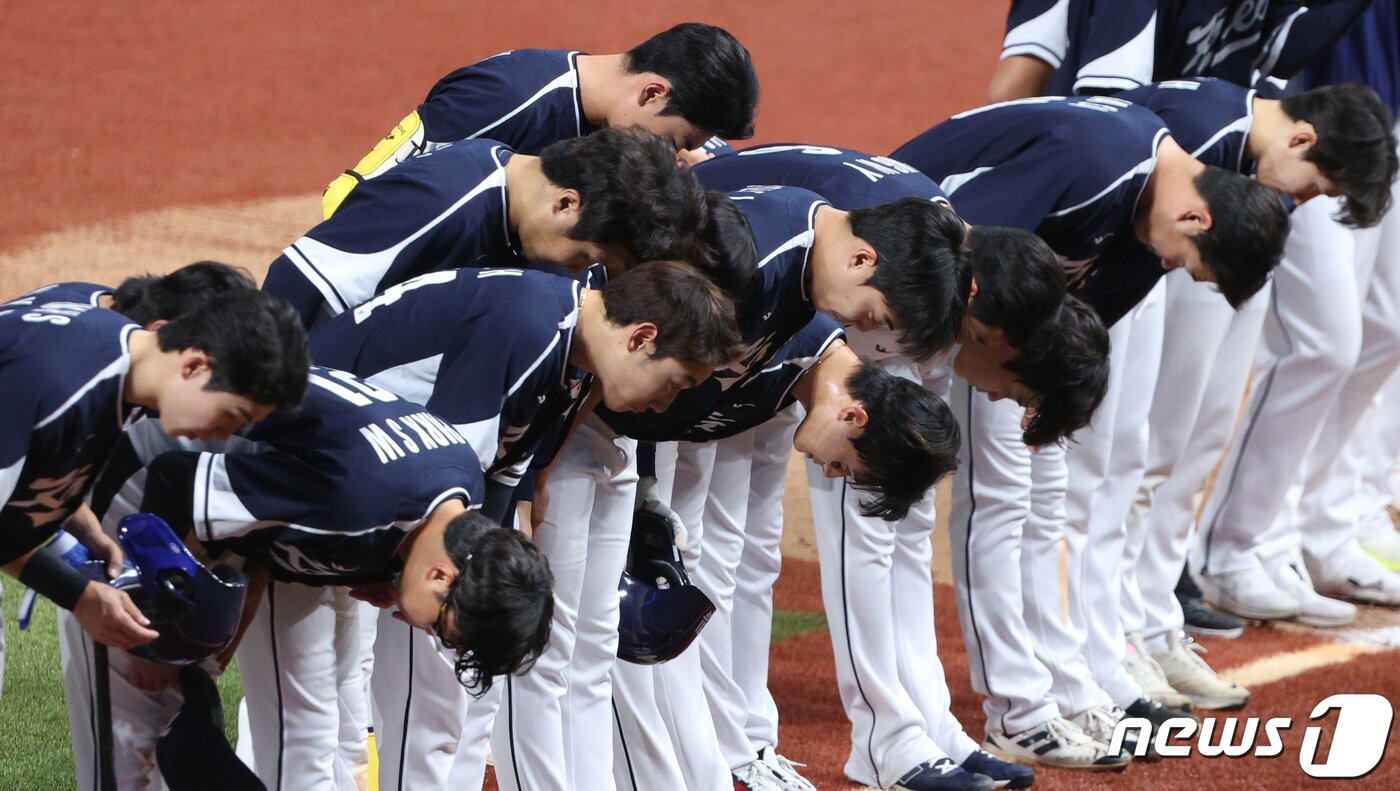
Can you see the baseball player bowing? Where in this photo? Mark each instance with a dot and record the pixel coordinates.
(506, 355)
(612, 197)
(889, 434)
(1017, 283)
(685, 84)
(358, 487)
(1092, 175)
(207, 373)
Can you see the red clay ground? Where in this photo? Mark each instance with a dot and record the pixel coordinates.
(140, 136)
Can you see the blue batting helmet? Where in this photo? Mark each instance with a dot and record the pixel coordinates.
(661, 611)
(196, 610)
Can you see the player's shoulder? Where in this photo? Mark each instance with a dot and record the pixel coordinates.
(774, 202)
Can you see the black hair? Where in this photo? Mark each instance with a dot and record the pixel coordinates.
(713, 83)
(501, 602)
(1066, 364)
(1245, 239)
(256, 344)
(149, 298)
(694, 318)
(632, 193)
(730, 254)
(1020, 280)
(909, 443)
(1355, 146)
(922, 269)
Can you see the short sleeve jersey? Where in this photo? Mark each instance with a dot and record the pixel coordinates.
(751, 403)
(328, 491)
(1070, 170)
(783, 221)
(485, 349)
(443, 210)
(525, 98)
(846, 178)
(63, 369)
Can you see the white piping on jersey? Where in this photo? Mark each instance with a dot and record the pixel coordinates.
(953, 183)
(311, 272)
(118, 367)
(806, 362)
(1125, 67)
(215, 502)
(1273, 48)
(1144, 166)
(554, 341)
(485, 273)
(412, 380)
(576, 93)
(568, 324)
(1241, 125)
(1010, 103)
(381, 258)
(568, 79)
(778, 149)
(803, 239)
(454, 492)
(811, 239)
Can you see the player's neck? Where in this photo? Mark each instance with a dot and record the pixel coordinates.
(602, 81)
(148, 369)
(427, 542)
(831, 240)
(591, 335)
(525, 181)
(1270, 127)
(1170, 186)
(825, 382)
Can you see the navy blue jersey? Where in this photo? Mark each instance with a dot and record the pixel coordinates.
(525, 98)
(1369, 53)
(743, 406)
(846, 178)
(1119, 45)
(443, 210)
(325, 493)
(485, 349)
(783, 221)
(1210, 119)
(63, 368)
(1071, 170)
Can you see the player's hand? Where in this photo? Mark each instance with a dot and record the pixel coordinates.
(694, 156)
(379, 594)
(151, 676)
(87, 528)
(112, 618)
(540, 504)
(648, 500)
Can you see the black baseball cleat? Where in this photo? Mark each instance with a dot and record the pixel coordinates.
(943, 775)
(1200, 620)
(1157, 714)
(1004, 774)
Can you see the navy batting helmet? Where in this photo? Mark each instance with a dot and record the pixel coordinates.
(661, 612)
(195, 609)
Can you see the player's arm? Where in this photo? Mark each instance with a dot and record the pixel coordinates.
(104, 612)
(1034, 46)
(1299, 33)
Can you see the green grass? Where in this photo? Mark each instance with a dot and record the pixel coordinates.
(791, 623)
(35, 752)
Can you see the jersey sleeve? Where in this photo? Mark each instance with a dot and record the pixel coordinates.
(1300, 33)
(1037, 183)
(226, 495)
(1037, 28)
(402, 224)
(465, 103)
(1116, 47)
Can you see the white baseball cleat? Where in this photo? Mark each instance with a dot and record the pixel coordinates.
(785, 770)
(1055, 742)
(1150, 676)
(1189, 674)
(1249, 594)
(1314, 609)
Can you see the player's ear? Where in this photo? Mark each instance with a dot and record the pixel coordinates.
(567, 201)
(639, 335)
(1303, 137)
(1195, 219)
(854, 415)
(862, 257)
(655, 92)
(194, 362)
(155, 325)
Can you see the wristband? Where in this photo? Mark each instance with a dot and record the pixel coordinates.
(54, 579)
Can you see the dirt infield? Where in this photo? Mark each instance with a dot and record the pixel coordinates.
(141, 136)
